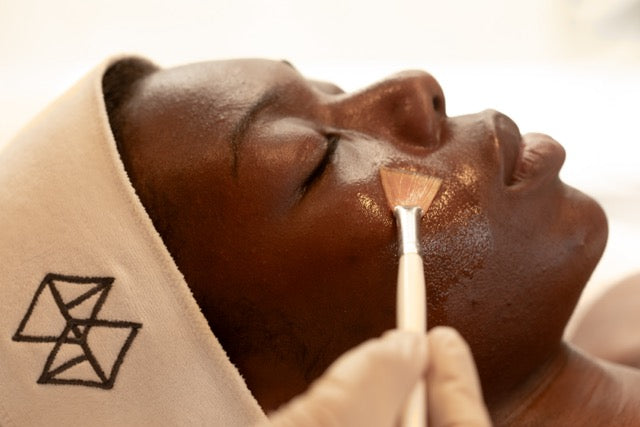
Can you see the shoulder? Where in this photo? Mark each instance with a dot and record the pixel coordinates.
(579, 389)
(609, 329)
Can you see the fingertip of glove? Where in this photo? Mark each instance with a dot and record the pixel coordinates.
(408, 343)
(447, 338)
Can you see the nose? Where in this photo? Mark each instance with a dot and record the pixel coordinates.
(407, 107)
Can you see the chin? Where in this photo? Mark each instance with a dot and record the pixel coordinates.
(591, 229)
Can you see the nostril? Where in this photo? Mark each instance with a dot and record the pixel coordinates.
(437, 104)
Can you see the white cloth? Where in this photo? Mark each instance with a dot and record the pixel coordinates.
(98, 326)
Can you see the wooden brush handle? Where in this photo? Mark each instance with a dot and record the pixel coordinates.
(412, 316)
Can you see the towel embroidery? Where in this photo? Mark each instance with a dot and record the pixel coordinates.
(87, 350)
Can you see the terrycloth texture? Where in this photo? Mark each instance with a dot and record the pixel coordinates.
(98, 326)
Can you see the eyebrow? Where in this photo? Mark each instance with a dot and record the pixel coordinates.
(268, 98)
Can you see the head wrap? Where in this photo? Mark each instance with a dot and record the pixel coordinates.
(98, 325)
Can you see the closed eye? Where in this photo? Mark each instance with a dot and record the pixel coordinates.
(317, 172)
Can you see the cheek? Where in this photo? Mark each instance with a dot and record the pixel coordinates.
(358, 161)
(457, 238)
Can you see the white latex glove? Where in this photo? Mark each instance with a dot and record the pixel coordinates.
(453, 387)
(368, 385)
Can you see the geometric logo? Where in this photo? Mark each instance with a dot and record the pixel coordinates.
(87, 350)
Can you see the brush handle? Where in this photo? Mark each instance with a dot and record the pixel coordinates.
(412, 316)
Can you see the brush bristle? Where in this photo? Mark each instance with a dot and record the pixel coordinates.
(407, 188)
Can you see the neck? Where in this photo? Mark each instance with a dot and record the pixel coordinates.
(573, 389)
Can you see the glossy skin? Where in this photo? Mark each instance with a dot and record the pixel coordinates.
(291, 272)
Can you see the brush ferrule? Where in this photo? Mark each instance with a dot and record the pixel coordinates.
(408, 218)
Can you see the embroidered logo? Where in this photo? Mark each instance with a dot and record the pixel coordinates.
(87, 350)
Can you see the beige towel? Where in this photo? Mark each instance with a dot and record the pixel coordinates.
(97, 325)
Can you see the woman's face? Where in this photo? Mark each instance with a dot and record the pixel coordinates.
(265, 187)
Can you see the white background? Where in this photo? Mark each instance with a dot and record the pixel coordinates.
(570, 68)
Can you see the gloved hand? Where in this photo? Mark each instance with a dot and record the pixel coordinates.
(368, 385)
(453, 387)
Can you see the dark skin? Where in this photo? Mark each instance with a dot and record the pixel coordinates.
(265, 188)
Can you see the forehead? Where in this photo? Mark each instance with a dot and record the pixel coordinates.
(213, 95)
(230, 81)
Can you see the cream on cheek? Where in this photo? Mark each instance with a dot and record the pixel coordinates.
(372, 210)
(357, 162)
(456, 235)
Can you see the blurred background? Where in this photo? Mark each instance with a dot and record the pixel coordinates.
(569, 68)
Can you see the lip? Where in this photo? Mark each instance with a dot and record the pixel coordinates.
(528, 160)
(540, 159)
